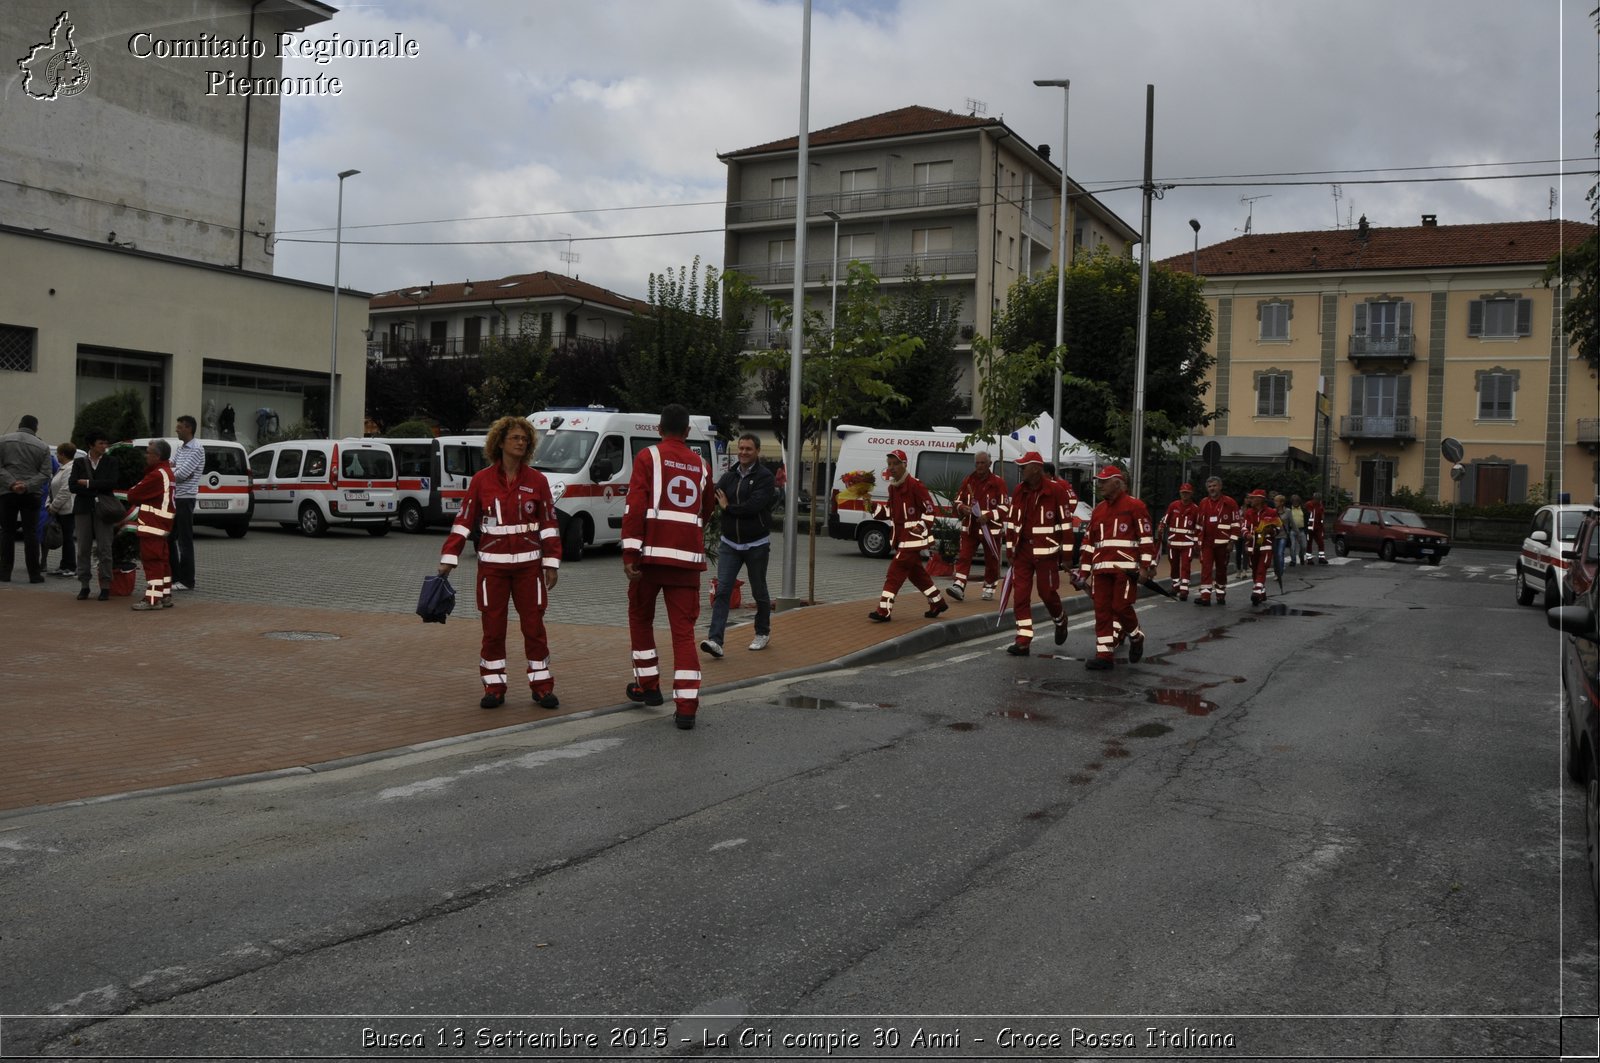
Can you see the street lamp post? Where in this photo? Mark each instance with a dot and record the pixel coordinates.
(333, 363)
(1065, 85)
(833, 318)
(1194, 223)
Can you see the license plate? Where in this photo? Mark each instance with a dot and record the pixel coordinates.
(1427, 550)
(451, 505)
(355, 496)
(213, 503)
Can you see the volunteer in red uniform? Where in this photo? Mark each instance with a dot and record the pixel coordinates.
(1219, 528)
(519, 557)
(1038, 521)
(155, 511)
(1316, 519)
(909, 511)
(1181, 523)
(1118, 552)
(663, 553)
(1261, 529)
(980, 503)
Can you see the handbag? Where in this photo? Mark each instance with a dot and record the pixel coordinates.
(437, 600)
(52, 536)
(109, 509)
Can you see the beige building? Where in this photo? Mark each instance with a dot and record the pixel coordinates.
(960, 198)
(1361, 350)
(137, 198)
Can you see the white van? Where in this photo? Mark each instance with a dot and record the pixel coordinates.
(223, 498)
(313, 483)
(941, 459)
(587, 455)
(433, 474)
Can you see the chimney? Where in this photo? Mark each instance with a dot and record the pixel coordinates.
(1430, 221)
(1044, 152)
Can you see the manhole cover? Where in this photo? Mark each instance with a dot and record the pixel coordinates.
(300, 636)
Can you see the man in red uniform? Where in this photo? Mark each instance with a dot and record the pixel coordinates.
(1316, 518)
(154, 511)
(1181, 524)
(1118, 552)
(1038, 520)
(979, 503)
(663, 552)
(909, 509)
(1218, 519)
(1261, 526)
(519, 557)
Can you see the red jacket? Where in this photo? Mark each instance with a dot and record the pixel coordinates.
(1262, 526)
(909, 509)
(1315, 515)
(1219, 520)
(1118, 538)
(516, 520)
(153, 496)
(1182, 522)
(987, 492)
(669, 499)
(1041, 518)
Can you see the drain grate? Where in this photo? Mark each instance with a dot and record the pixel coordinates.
(300, 636)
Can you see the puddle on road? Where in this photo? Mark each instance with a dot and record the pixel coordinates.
(801, 701)
(1019, 714)
(963, 726)
(1281, 610)
(1074, 690)
(1189, 701)
(1148, 730)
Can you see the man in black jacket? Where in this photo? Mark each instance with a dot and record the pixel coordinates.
(745, 496)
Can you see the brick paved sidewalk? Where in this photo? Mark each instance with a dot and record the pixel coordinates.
(100, 700)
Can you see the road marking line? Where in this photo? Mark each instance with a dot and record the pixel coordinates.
(536, 759)
(731, 843)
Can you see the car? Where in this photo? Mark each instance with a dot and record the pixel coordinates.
(1540, 565)
(1390, 532)
(1580, 679)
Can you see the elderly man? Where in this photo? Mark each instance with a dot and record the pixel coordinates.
(24, 470)
(745, 495)
(154, 510)
(1219, 530)
(980, 503)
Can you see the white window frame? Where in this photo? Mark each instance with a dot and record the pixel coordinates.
(1503, 392)
(933, 241)
(1272, 395)
(1274, 323)
(858, 247)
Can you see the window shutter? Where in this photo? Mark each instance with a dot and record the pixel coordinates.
(1358, 395)
(1475, 318)
(1264, 397)
(1405, 318)
(1524, 317)
(1361, 319)
(1280, 395)
(1469, 486)
(1517, 487)
(1402, 397)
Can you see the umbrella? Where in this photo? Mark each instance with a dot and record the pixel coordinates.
(437, 599)
(1005, 596)
(1277, 567)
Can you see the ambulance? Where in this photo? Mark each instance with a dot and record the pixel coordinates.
(433, 474)
(223, 497)
(587, 455)
(314, 483)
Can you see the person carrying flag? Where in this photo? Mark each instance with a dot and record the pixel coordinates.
(1261, 529)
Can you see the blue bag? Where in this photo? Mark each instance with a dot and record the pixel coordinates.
(438, 598)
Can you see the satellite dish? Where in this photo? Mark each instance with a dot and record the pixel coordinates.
(1451, 448)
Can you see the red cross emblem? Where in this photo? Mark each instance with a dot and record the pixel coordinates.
(683, 491)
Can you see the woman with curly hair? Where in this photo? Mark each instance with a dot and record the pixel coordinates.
(519, 555)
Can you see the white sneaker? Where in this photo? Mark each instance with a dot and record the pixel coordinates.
(988, 592)
(182, 587)
(956, 592)
(760, 642)
(713, 648)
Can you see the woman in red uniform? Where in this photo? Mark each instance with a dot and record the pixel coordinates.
(519, 555)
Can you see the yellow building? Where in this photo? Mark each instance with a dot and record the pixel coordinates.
(1359, 351)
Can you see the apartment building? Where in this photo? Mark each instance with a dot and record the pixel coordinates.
(960, 198)
(1360, 350)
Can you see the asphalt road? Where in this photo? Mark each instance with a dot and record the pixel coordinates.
(1336, 828)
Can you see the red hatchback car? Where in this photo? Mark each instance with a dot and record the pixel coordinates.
(1389, 532)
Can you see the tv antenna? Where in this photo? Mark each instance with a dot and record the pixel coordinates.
(569, 256)
(1553, 199)
(1338, 194)
(1251, 200)
(976, 107)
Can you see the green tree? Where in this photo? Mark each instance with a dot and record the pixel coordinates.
(1579, 271)
(515, 375)
(119, 415)
(928, 380)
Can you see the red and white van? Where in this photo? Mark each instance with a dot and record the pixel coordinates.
(433, 474)
(223, 497)
(313, 483)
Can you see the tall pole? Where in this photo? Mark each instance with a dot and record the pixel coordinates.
(1065, 84)
(1136, 445)
(1194, 223)
(791, 555)
(833, 321)
(333, 363)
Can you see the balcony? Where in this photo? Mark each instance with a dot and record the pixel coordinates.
(389, 350)
(900, 197)
(887, 267)
(1588, 431)
(1402, 347)
(770, 339)
(1369, 427)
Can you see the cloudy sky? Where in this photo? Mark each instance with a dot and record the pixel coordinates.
(539, 120)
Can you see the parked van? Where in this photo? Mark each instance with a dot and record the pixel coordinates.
(223, 500)
(587, 454)
(941, 459)
(313, 483)
(433, 475)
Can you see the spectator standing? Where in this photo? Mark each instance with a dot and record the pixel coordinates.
(510, 506)
(745, 494)
(92, 478)
(24, 474)
(154, 516)
(663, 554)
(60, 509)
(188, 463)
(908, 511)
(980, 503)
(1294, 525)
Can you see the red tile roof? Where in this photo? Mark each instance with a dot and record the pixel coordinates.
(1409, 247)
(517, 287)
(905, 122)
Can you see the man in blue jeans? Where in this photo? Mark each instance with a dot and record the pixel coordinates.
(745, 495)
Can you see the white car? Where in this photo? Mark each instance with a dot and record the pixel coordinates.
(1541, 566)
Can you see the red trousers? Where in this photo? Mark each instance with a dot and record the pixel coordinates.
(1314, 538)
(680, 588)
(1214, 570)
(157, 571)
(1181, 560)
(1114, 593)
(1028, 571)
(971, 543)
(907, 564)
(523, 585)
(1260, 565)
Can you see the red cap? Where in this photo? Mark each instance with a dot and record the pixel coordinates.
(900, 454)
(1257, 493)
(1032, 457)
(1185, 487)
(1111, 472)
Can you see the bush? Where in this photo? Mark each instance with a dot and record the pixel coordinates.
(416, 428)
(120, 416)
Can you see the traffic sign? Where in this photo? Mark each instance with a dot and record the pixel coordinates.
(1451, 448)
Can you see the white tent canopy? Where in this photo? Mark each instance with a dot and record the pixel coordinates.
(1036, 435)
